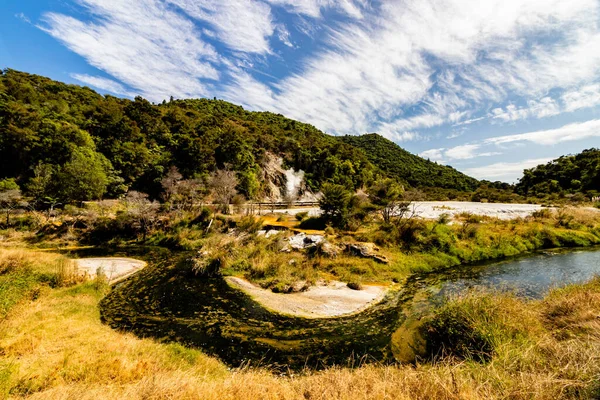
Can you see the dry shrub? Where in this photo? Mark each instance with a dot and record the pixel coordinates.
(66, 273)
(13, 261)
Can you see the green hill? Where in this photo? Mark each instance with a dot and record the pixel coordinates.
(71, 143)
(579, 173)
(400, 164)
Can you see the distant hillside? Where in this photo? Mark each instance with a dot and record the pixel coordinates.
(579, 173)
(57, 133)
(69, 142)
(404, 166)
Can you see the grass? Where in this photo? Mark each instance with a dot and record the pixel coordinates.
(430, 246)
(24, 274)
(54, 347)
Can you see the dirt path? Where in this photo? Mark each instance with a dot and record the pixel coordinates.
(320, 301)
(115, 268)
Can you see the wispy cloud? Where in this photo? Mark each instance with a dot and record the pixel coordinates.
(581, 98)
(104, 84)
(507, 172)
(546, 107)
(496, 145)
(143, 44)
(23, 17)
(241, 24)
(399, 67)
(567, 133)
(312, 8)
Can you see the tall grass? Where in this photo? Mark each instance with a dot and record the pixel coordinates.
(23, 274)
(56, 348)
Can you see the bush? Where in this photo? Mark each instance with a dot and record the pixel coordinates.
(543, 213)
(250, 224)
(475, 326)
(301, 216)
(66, 273)
(314, 223)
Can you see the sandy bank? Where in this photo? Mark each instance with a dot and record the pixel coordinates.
(115, 268)
(320, 301)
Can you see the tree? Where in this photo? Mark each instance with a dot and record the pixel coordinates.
(335, 203)
(169, 184)
(10, 200)
(83, 178)
(8, 184)
(223, 183)
(142, 210)
(386, 194)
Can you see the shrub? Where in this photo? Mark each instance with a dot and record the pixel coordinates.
(250, 224)
(301, 216)
(66, 273)
(543, 213)
(475, 326)
(314, 223)
(354, 285)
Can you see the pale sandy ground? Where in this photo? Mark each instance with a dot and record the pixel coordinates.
(319, 301)
(433, 209)
(115, 268)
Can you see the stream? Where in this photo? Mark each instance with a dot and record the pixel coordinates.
(168, 302)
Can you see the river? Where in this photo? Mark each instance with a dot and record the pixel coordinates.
(168, 302)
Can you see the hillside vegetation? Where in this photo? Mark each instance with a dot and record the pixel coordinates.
(399, 164)
(69, 143)
(567, 175)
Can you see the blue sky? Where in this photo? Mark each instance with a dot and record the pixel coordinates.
(489, 87)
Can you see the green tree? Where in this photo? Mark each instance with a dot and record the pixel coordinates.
(10, 198)
(386, 194)
(335, 203)
(83, 178)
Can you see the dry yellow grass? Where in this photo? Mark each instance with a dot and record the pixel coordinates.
(56, 348)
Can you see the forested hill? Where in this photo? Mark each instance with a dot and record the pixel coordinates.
(402, 165)
(71, 143)
(579, 173)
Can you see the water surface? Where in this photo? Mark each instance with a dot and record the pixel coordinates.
(167, 301)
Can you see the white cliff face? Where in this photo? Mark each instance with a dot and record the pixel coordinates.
(294, 181)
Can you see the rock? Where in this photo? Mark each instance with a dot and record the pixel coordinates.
(329, 250)
(272, 232)
(303, 241)
(365, 251)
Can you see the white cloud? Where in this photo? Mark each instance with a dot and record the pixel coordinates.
(567, 133)
(507, 172)
(143, 44)
(477, 53)
(103, 84)
(545, 107)
(433, 154)
(313, 8)
(584, 97)
(466, 152)
(284, 35)
(23, 17)
(462, 152)
(242, 25)
(490, 147)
